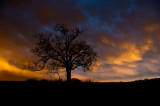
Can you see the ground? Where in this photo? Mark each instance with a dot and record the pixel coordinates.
(152, 83)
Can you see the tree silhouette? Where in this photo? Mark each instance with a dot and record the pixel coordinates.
(62, 50)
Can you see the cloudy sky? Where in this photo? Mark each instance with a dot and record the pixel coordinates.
(125, 34)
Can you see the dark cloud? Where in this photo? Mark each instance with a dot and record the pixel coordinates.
(125, 33)
(21, 19)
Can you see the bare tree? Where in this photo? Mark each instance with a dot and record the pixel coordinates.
(63, 51)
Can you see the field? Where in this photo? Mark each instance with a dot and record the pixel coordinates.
(33, 84)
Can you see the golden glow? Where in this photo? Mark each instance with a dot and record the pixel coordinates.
(126, 37)
(129, 53)
(124, 71)
(5, 66)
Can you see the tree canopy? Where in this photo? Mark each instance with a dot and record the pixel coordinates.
(62, 50)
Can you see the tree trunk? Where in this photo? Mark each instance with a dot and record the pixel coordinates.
(68, 75)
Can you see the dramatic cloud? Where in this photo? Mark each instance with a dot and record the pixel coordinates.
(10, 72)
(125, 33)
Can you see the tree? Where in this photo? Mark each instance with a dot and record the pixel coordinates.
(62, 50)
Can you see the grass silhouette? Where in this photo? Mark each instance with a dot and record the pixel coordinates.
(37, 84)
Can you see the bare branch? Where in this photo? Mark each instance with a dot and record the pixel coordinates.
(63, 50)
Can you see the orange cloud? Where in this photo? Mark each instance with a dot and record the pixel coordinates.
(105, 40)
(124, 71)
(129, 52)
(123, 41)
(11, 69)
(152, 27)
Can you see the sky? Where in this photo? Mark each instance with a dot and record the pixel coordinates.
(125, 34)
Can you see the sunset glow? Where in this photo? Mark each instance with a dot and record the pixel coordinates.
(125, 34)
(20, 74)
